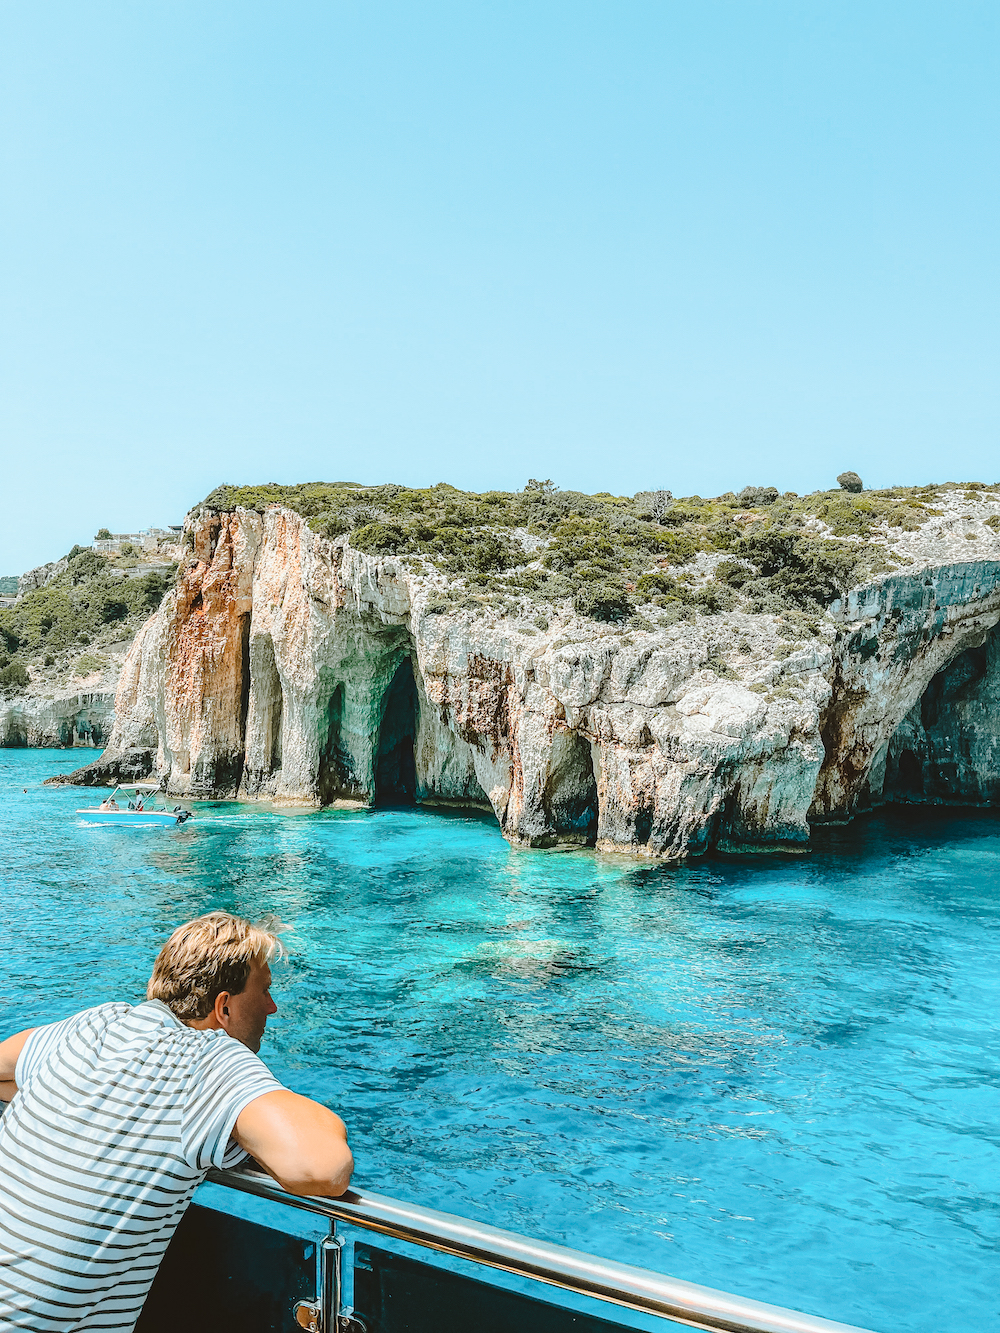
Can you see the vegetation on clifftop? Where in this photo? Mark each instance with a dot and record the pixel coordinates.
(609, 553)
(95, 601)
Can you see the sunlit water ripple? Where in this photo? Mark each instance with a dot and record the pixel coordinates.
(774, 1076)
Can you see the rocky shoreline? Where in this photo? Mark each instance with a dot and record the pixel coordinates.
(290, 666)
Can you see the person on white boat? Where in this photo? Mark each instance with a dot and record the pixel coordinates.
(109, 803)
(118, 1113)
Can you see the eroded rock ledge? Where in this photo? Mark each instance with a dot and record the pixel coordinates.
(290, 667)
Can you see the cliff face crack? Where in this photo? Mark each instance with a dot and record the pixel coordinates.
(264, 716)
(337, 778)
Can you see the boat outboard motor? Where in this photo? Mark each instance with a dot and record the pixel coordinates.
(181, 813)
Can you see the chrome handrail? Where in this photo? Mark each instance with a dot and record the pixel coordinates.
(621, 1284)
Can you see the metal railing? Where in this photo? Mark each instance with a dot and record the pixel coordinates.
(621, 1284)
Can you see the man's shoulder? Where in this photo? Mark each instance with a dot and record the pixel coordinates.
(89, 1026)
(96, 1018)
(107, 1012)
(211, 1057)
(94, 1024)
(120, 1022)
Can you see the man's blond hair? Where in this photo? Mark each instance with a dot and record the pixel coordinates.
(211, 954)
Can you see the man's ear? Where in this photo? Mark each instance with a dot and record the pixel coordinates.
(222, 1008)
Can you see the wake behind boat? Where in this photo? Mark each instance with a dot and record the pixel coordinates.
(139, 808)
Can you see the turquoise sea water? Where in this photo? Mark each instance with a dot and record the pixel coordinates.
(778, 1077)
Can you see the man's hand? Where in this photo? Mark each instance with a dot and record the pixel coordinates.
(300, 1143)
(9, 1052)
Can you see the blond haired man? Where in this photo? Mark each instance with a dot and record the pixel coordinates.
(120, 1111)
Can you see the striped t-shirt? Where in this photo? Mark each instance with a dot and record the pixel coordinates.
(119, 1114)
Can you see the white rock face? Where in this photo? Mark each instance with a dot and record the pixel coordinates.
(82, 717)
(288, 667)
(40, 575)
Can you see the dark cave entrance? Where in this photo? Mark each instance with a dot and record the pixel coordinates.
(946, 751)
(395, 766)
(908, 777)
(244, 704)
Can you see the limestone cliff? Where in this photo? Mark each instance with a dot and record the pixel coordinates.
(71, 707)
(33, 579)
(81, 716)
(289, 666)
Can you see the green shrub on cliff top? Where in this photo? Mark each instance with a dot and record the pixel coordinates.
(380, 539)
(88, 662)
(603, 539)
(608, 601)
(853, 515)
(810, 573)
(14, 677)
(657, 584)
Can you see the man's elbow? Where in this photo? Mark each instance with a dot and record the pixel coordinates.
(327, 1179)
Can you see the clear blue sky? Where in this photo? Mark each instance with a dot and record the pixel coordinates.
(621, 245)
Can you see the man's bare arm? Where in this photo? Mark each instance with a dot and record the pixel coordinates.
(9, 1052)
(302, 1144)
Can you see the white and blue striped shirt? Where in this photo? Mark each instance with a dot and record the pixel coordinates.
(119, 1114)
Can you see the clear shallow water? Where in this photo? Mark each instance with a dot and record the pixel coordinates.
(775, 1077)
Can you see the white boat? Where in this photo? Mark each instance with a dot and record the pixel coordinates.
(136, 808)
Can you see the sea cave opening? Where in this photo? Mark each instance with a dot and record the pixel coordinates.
(946, 751)
(395, 765)
(244, 703)
(570, 795)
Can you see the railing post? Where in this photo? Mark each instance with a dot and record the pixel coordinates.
(321, 1313)
(336, 1317)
